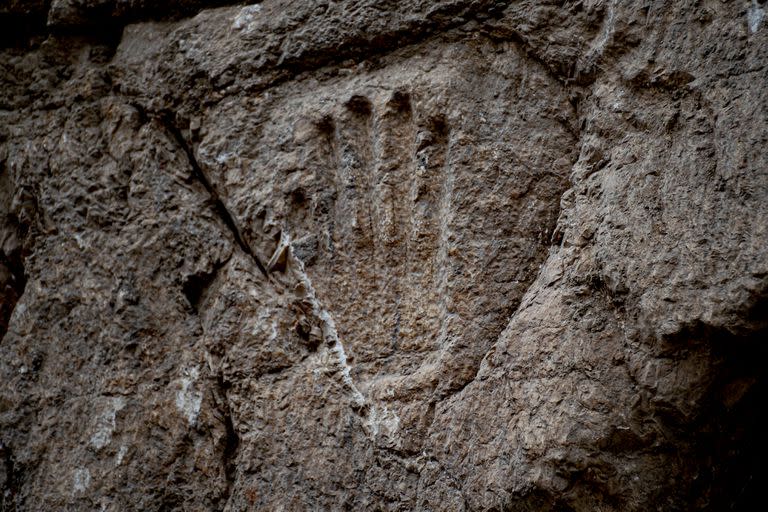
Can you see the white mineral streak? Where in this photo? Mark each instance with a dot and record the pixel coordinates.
(245, 18)
(390, 421)
(81, 480)
(105, 423)
(609, 27)
(331, 337)
(121, 455)
(188, 399)
(755, 15)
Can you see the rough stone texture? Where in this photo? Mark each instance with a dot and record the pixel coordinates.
(365, 255)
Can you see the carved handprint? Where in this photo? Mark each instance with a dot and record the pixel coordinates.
(418, 213)
(382, 232)
(400, 226)
(426, 240)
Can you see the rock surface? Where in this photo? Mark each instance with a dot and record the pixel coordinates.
(364, 255)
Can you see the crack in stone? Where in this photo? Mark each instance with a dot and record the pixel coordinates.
(12, 477)
(13, 278)
(199, 174)
(231, 440)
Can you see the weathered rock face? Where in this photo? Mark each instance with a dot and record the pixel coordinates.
(452, 255)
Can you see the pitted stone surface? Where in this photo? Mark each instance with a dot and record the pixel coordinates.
(358, 255)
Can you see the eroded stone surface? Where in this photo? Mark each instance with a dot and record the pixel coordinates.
(359, 255)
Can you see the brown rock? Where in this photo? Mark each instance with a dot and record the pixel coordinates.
(358, 255)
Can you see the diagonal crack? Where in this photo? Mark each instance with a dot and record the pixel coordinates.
(229, 220)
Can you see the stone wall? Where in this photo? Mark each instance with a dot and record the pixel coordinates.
(374, 255)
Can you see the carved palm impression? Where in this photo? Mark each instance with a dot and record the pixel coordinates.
(419, 204)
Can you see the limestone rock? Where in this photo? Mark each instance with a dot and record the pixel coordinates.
(358, 255)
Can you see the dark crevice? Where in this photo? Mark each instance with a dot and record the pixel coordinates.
(228, 219)
(21, 21)
(13, 282)
(107, 34)
(194, 287)
(13, 231)
(728, 439)
(231, 439)
(11, 484)
(197, 284)
(121, 13)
